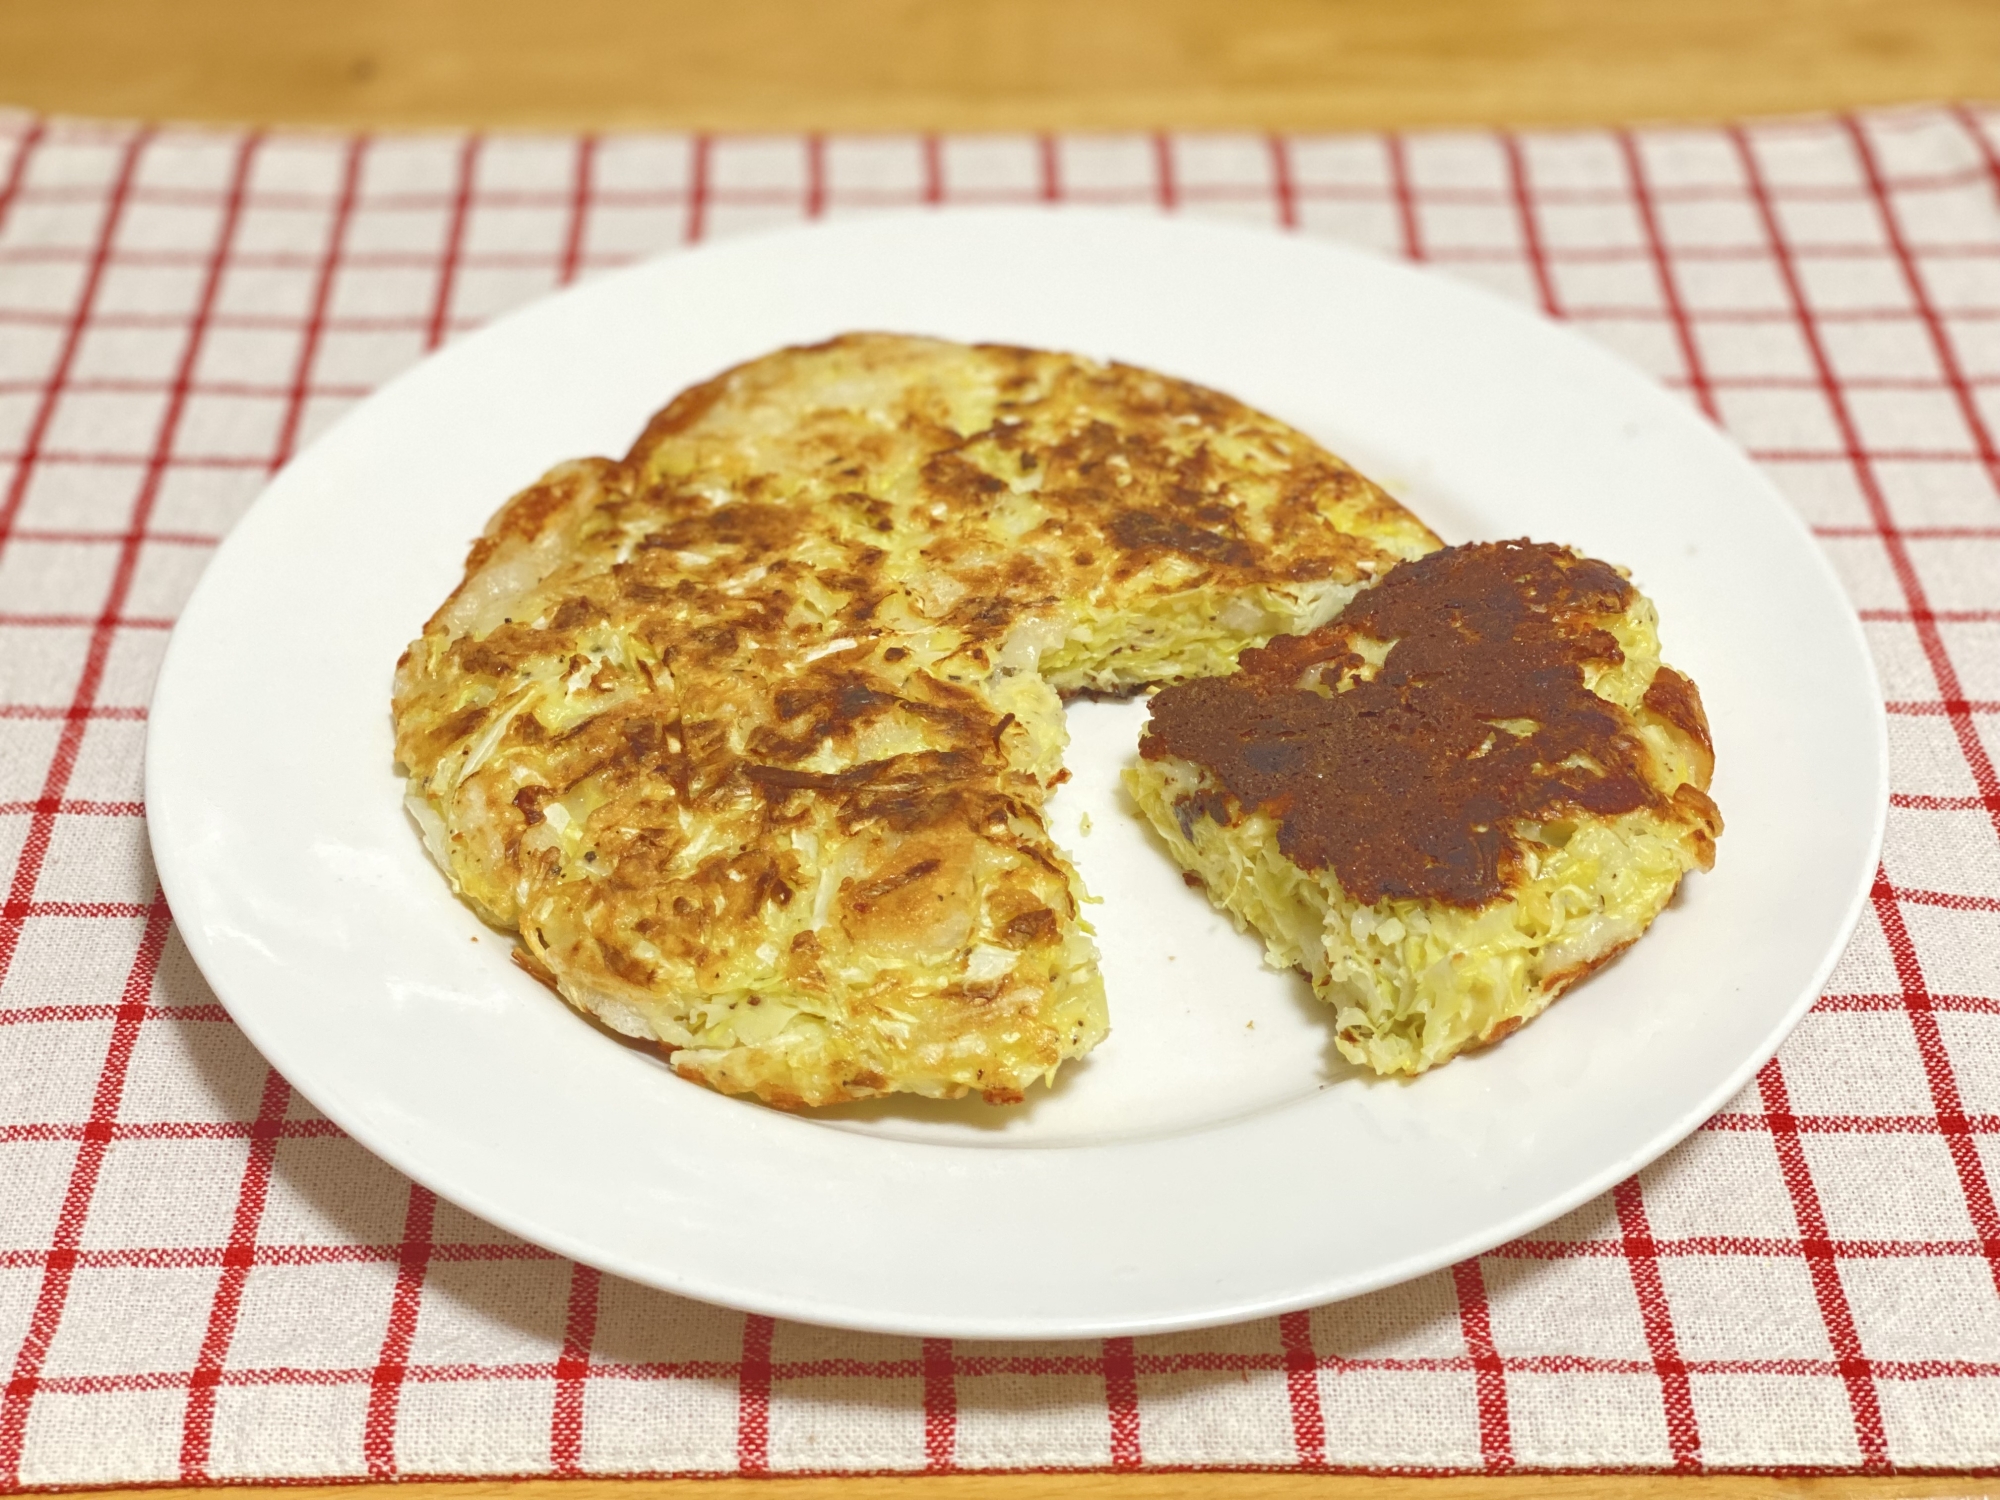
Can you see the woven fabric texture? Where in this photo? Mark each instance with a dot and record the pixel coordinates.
(202, 1279)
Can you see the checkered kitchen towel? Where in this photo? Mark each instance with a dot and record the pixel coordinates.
(201, 1278)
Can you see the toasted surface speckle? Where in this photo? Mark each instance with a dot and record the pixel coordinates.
(749, 735)
(1465, 793)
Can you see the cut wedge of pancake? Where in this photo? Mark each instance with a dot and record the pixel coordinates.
(749, 735)
(1468, 791)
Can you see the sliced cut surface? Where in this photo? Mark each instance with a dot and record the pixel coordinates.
(1470, 789)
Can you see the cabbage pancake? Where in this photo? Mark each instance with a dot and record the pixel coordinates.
(749, 736)
(1449, 805)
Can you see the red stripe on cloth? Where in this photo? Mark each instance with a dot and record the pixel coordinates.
(1853, 382)
(25, 1015)
(289, 260)
(861, 196)
(392, 1364)
(1952, 1123)
(1475, 1321)
(165, 1130)
(251, 1378)
(1656, 1313)
(1852, 1124)
(1824, 1270)
(61, 1261)
(709, 1371)
(1916, 533)
(1050, 161)
(69, 744)
(1302, 1389)
(1404, 199)
(1934, 709)
(666, 193)
(1166, 191)
(1927, 311)
(322, 298)
(211, 1256)
(454, 241)
(933, 169)
(1531, 232)
(17, 169)
(700, 161)
(1951, 617)
(815, 204)
(581, 182)
(1284, 182)
(1855, 454)
(1761, 1246)
(23, 911)
(940, 1406)
(1984, 1005)
(92, 459)
(73, 322)
(198, 1422)
(1698, 380)
(72, 711)
(1983, 143)
(1907, 578)
(86, 538)
(1949, 900)
(78, 622)
(1601, 255)
(573, 1372)
(753, 1396)
(1638, 312)
(1121, 1400)
(70, 807)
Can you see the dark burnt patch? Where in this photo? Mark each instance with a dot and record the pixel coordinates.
(1145, 533)
(1030, 928)
(1414, 783)
(790, 779)
(574, 612)
(952, 477)
(984, 617)
(482, 659)
(634, 588)
(462, 723)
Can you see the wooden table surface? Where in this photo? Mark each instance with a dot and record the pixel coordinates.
(973, 64)
(1010, 64)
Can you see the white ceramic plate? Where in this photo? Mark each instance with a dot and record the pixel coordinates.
(1214, 1159)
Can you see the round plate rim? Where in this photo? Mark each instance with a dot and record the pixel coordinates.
(175, 859)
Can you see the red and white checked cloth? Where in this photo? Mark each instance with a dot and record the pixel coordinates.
(202, 1279)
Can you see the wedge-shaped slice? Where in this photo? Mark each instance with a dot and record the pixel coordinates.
(1460, 797)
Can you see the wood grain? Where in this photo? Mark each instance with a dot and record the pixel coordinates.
(1138, 1487)
(987, 64)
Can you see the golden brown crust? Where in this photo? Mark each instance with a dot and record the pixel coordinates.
(1554, 985)
(1065, 480)
(1677, 700)
(750, 733)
